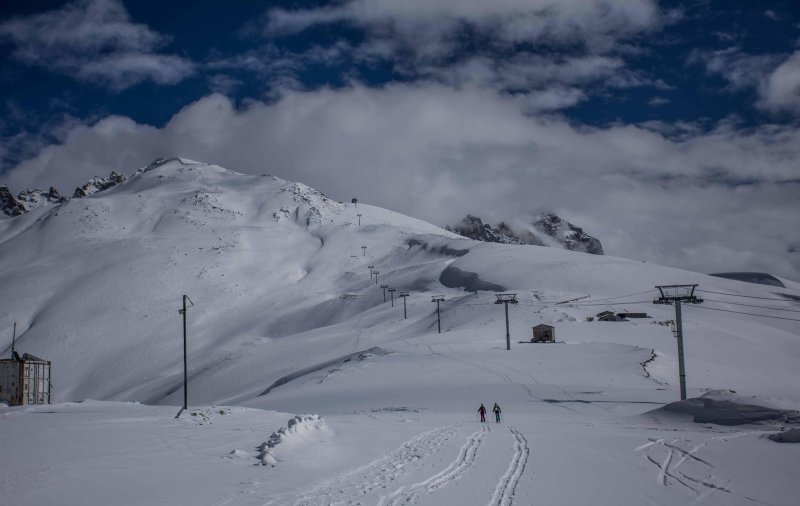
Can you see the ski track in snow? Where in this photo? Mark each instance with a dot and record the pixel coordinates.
(699, 480)
(504, 492)
(352, 486)
(465, 459)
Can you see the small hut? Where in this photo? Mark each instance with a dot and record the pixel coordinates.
(608, 316)
(24, 380)
(544, 334)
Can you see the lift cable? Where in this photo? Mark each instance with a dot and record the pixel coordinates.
(741, 312)
(753, 305)
(748, 296)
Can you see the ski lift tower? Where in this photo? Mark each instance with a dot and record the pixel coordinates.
(678, 294)
(507, 298)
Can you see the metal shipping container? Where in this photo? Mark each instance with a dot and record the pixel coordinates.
(25, 380)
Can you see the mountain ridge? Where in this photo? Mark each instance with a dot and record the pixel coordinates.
(544, 229)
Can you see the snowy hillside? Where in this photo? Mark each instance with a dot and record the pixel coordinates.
(288, 320)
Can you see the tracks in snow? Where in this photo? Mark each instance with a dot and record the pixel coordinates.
(504, 492)
(465, 459)
(354, 486)
(420, 452)
(696, 477)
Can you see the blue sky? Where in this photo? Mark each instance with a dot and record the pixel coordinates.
(625, 117)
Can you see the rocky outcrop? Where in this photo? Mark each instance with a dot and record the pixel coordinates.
(474, 228)
(34, 197)
(27, 200)
(98, 184)
(9, 205)
(572, 237)
(546, 229)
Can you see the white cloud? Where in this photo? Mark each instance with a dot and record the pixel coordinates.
(740, 69)
(437, 153)
(94, 41)
(525, 19)
(658, 101)
(526, 70)
(429, 29)
(776, 78)
(780, 91)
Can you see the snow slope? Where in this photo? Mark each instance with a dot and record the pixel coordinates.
(287, 320)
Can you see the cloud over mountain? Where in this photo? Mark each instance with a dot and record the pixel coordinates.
(437, 153)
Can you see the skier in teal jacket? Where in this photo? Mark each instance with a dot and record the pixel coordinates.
(496, 411)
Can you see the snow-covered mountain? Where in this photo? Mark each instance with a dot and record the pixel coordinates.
(545, 229)
(30, 199)
(288, 318)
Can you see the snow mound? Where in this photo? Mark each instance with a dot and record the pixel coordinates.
(724, 408)
(299, 429)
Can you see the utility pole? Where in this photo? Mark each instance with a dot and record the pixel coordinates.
(384, 291)
(376, 277)
(678, 294)
(363, 250)
(404, 295)
(359, 219)
(391, 292)
(185, 359)
(437, 299)
(14, 342)
(507, 298)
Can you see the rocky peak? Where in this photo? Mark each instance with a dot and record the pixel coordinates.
(27, 200)
(474, 228)
(546, 229)
(9, 205)
(98, 184)
(32, 198)
(572, 237)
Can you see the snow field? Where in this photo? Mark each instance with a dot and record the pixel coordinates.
(287, 321)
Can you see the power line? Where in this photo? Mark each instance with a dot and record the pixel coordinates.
(752, 305)
(620, 296)
(615, 303)
(748, 296)
(750, 314)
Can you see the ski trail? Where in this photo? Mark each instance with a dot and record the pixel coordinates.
(355, 485)
(465, 459)
(504, 492)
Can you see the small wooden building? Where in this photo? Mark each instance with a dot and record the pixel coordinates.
(543, 333)
(24, 380)
(608, 316)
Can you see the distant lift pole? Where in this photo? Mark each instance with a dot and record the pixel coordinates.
(370, 267)
(437, 299)
(384, 291)
(185, 359)
(391, 292)
(363, 251)
(376, 277)
(507, 298)
(359, 219)
(678, 294)
(404, 295)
